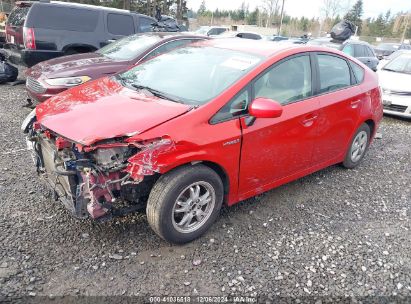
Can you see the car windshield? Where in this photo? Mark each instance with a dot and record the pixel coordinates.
(388, 47)
(203, 30)
(128, 48)
(401, 64)
(191, 75)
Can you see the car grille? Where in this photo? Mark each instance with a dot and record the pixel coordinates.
(35, 86)
(395, 108)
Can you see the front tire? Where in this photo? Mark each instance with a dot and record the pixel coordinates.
(184, 203)
(358, 147)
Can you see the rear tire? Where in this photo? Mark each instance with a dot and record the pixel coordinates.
(358, 147)
(184, 203)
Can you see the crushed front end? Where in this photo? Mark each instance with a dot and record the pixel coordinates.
(111, 178)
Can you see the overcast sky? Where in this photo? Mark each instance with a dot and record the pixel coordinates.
(308, 8)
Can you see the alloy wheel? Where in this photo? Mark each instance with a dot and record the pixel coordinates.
(358, 146)
(193, 207)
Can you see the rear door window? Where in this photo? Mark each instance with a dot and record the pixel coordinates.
(63, 18)
(359, 51)
(119, 24)
(334, 73)
(18, 16)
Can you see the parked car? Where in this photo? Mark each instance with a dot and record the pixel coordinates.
(54, 76)
(276, 38)
(385, 49)
(387, 59)
(214, 122)
(245, 35)
(359, 49)
(395, 80)
(212, 30)
(362, 51)
(294, 40)
(38, 31)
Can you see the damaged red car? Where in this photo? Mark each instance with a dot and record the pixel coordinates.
(207, 124)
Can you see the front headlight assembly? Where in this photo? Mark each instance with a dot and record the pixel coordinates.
(67, 81)
(28, 120)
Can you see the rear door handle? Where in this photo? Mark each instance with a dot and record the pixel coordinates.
(354, 104)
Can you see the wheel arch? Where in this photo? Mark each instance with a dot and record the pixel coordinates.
(371, 125)
(222, 173)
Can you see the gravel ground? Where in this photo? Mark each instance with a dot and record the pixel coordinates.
(335, 233)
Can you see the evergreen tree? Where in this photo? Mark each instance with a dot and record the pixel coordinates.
(252, 17)
(202, 10)
(354, 15)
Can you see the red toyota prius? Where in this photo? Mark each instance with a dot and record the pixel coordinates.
(207, 124)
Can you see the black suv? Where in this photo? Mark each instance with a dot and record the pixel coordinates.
(362, 51)
(38, 31)
(359, 49)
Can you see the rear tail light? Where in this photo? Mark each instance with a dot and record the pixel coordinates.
(29, 38)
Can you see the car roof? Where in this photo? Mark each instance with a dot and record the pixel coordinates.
(79, 5)
(261, 47)
(356, 42)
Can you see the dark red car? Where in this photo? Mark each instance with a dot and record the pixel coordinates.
(211, 123)
(54, 76)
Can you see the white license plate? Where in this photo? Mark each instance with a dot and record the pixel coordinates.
(386, 102)
(12, 39)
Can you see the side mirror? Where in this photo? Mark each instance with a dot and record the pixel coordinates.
(265, 108)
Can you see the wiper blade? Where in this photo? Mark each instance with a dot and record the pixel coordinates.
(390, 70)
(157, 93)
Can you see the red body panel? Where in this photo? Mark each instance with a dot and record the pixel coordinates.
(308, 136)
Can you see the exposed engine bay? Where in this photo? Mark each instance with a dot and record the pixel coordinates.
(110, 178)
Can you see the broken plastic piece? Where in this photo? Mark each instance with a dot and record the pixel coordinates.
(145, 162)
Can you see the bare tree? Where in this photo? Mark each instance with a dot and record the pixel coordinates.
(271, 9)
(331, 8)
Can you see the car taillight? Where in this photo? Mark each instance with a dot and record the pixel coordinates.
(29, 38)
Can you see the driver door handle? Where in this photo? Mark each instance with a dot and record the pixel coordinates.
(309, 120)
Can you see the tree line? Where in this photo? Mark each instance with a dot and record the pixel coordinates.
(267, 14)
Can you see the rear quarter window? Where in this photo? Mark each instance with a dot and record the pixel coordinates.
(63, 18)
(358, 72)
(18, 16)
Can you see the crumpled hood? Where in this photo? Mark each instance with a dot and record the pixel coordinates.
(104, 109)
(77, 65)
(394, 81)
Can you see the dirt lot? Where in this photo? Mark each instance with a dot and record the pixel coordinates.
(334, 233)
